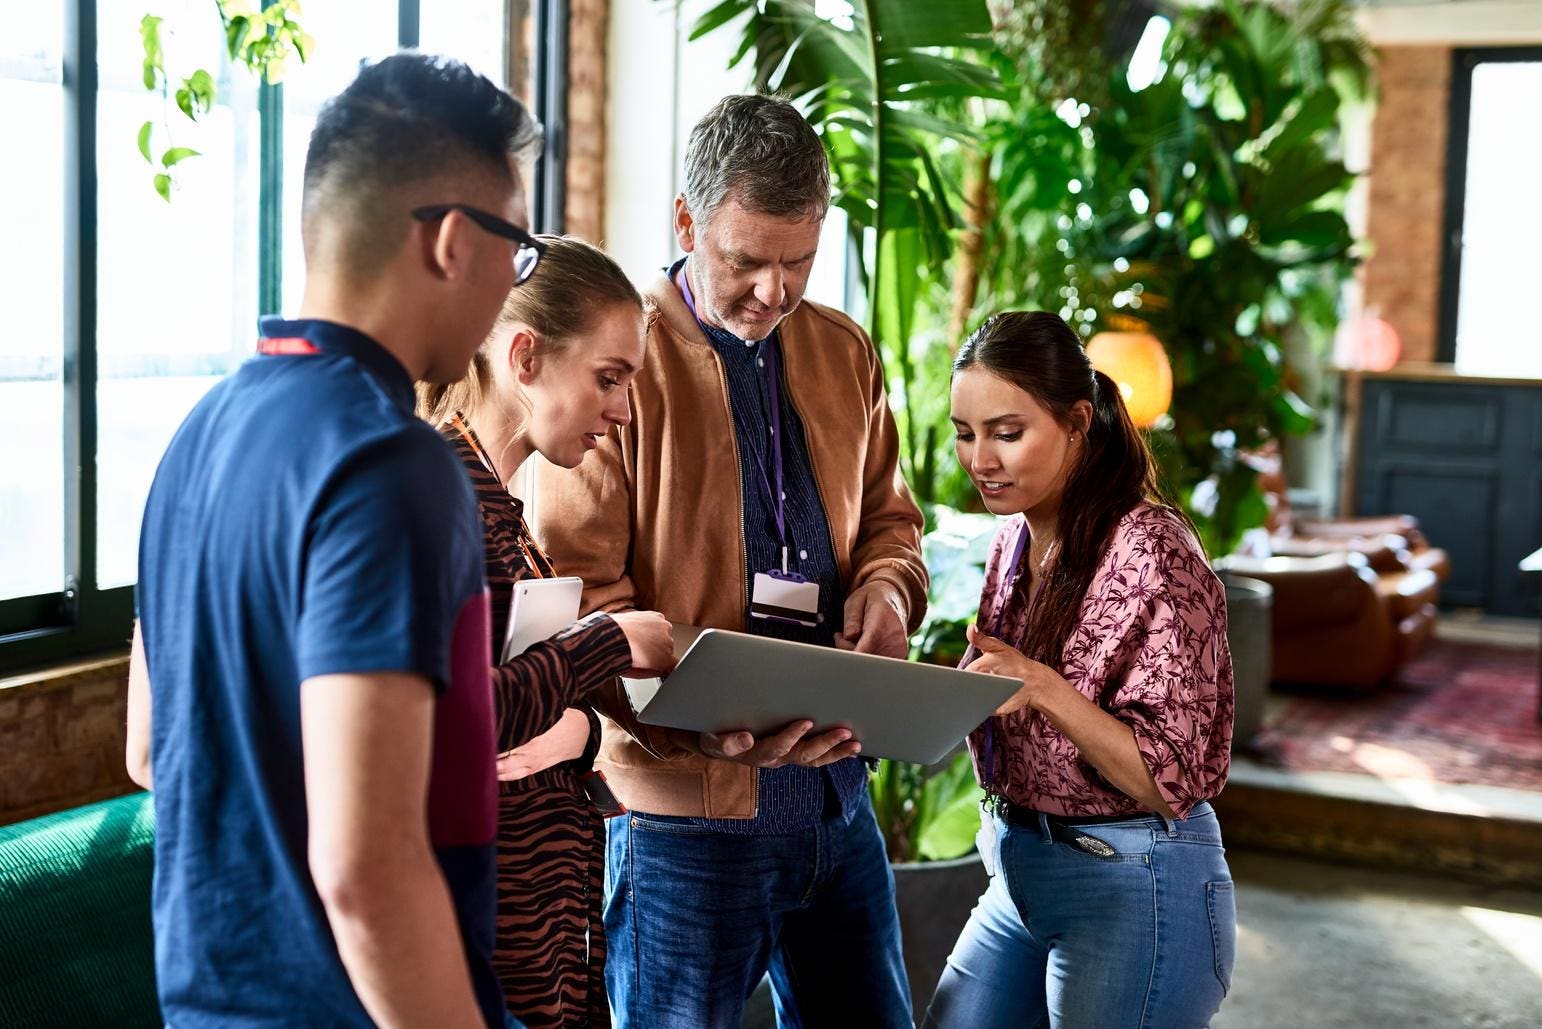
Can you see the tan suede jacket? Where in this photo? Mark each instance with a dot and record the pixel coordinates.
(654, 518)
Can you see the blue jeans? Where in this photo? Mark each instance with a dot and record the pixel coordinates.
(695, 918)
(1064, 939)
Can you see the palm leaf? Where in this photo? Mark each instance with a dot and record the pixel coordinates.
(874, 86)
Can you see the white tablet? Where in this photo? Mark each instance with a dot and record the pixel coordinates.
(730, 681)
(541, 609)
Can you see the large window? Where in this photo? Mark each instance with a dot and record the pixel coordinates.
(125, 309)
(176, 282)
(1493, 213)
(32, 108)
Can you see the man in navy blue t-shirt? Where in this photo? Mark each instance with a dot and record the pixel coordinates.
(313, 631)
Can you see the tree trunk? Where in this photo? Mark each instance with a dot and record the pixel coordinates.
(966, 273)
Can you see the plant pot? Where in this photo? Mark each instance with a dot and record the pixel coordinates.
(1250, 632)
(934, 900)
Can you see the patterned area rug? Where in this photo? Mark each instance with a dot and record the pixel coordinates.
(1460, 713)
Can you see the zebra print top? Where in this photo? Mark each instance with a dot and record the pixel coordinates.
(550, 949)
(533, 689)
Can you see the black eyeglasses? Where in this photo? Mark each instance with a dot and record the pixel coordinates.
(527, 249)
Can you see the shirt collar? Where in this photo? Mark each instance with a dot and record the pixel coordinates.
(719, 336)
(332, 337)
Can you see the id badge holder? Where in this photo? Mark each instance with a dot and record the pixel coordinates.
(988, 841)
(600, 795)
(782, 596)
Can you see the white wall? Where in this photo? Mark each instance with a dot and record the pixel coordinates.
(655, 96)
(660, 85)
(1471, 23)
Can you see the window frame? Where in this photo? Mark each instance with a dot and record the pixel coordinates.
(81, 620)
(1464, 61)
(549, 69)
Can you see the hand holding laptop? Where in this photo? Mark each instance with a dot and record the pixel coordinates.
(790, 746)
(768, 702)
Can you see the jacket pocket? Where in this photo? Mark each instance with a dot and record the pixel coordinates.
(1221, 899)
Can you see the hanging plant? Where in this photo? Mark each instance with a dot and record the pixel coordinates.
(261, 39)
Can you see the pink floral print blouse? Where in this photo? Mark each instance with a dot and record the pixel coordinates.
(1150, 646)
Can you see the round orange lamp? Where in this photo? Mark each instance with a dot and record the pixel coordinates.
(1369, 342)
(1138, 364)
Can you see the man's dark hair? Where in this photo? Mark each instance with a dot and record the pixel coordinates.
(764, 153)
(405, 119)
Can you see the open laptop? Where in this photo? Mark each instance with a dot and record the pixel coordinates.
(732, 681)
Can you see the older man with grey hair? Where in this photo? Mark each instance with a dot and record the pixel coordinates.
(756, 489)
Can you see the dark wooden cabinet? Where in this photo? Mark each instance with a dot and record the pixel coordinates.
(1464, 455)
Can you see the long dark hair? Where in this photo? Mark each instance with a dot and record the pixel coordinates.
(1042, 356)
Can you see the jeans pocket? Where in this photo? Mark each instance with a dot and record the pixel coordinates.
(667, 824)
(1221, 899)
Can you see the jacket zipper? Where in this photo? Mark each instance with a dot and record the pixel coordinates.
(744, 576)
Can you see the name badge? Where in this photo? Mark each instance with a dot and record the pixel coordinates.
(785, 597)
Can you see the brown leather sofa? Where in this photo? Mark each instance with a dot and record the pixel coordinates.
(1389, 542)
(1337, 621)
(1354, 598)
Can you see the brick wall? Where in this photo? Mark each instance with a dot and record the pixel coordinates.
(587, 26)
(1407, 193)
(61, 738)
(521, 31)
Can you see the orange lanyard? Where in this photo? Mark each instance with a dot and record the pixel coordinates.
(459, 425)
(535, 558)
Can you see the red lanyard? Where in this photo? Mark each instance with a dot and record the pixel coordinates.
(287, 346)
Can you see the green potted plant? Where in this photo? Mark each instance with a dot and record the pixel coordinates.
(929, 815)
(1205, 207)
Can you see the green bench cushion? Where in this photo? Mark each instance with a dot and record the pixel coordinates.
(76, 947)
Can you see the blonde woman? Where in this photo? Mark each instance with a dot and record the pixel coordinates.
(551, 379)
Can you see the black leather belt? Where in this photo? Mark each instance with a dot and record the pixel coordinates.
(1028, 818)
(1062, 827)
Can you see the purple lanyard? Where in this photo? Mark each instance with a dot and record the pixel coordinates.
(988, 736)
(778, 497)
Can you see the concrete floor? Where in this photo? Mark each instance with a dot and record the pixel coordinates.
(1333, 947)
(1326, 946)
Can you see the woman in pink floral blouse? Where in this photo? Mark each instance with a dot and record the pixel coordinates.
(1110, 902)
